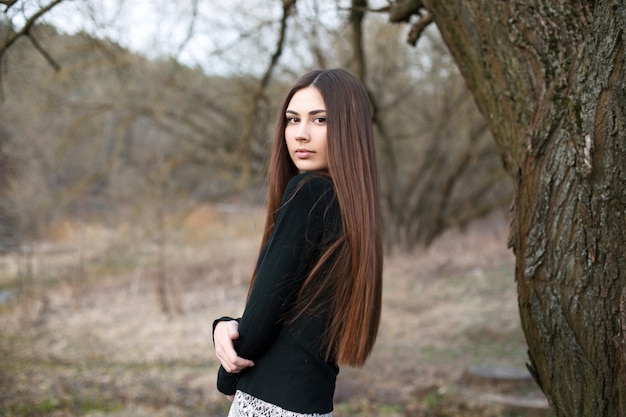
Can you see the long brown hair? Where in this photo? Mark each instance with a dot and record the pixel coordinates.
(355, 273)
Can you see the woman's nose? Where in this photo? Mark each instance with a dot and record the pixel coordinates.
(302, 135)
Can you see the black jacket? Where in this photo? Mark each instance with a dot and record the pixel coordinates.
(290, 370)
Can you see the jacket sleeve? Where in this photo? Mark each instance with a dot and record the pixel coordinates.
(226, 382)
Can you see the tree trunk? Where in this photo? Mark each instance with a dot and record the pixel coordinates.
(550, 79)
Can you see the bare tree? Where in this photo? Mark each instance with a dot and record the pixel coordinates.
(258, 97)
(549, 78)
(439, 167)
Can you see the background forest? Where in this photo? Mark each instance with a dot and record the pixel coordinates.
(109, 133)
(131, 184)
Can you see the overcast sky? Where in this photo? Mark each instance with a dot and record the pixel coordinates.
(163, 28)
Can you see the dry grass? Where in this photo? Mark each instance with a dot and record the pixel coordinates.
(94, 341)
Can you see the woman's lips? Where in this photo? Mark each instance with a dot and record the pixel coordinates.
(304, 153)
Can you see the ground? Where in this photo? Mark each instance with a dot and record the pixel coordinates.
(84, 333)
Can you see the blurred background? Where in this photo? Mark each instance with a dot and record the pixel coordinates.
(133, 145)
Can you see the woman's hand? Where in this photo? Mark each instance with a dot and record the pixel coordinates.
(224, 334)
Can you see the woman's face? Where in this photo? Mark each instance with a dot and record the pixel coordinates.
(305, 132)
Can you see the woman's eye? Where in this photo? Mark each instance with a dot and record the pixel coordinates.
(320, 120)
(292, 119)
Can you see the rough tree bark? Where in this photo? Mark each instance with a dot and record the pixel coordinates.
(550, 79)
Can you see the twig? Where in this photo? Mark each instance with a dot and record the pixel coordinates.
(401, 11)
(418, 27)
(27, 26)
(8, 3)
(43, 52)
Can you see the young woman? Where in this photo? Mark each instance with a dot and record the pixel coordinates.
(314, 300)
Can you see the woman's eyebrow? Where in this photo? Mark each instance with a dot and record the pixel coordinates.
(312, 112)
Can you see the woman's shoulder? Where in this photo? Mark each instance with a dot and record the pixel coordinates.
(310, 182)
(315, 177)
(308, 189)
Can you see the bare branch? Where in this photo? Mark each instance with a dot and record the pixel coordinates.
(192, 24)
(355, 20)
(8, 3)
(43, 52)
(401, 11)
(246, 138)
(418, 27)
(366, 9)
(287, 7)
(27, 27)
(29, 23)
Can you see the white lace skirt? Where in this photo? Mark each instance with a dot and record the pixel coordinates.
(245, 405)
